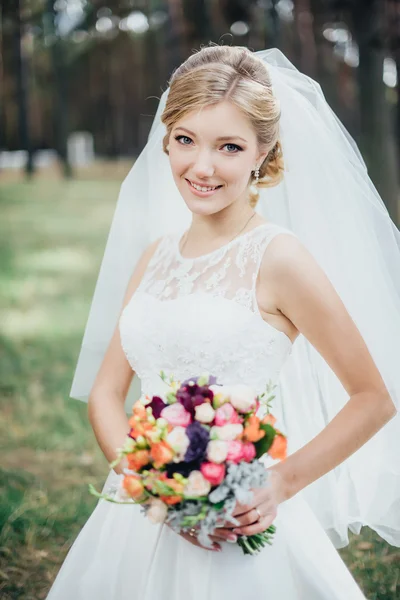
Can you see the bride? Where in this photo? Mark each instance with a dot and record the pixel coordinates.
(248, 242)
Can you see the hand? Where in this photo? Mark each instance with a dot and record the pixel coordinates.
(192, 539)
(265, 501)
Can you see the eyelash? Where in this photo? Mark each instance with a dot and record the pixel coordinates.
(239, 149)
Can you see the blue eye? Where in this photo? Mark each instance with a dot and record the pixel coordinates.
(238, 148)
(183, 137)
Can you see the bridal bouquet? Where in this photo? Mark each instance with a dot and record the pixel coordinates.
(193, 454)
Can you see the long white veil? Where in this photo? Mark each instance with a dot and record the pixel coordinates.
(330, 203)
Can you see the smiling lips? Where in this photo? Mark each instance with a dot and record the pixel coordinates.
(201, 188)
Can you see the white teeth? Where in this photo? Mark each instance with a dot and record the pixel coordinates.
(202, 189)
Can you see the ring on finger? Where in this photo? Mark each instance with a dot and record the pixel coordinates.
(192, 532)
(260, 516)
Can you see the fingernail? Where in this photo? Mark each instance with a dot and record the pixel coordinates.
(217, 548)
(231, 538)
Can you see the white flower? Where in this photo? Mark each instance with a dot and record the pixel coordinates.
(179, 442)
(204, 412)
(242, 397)
(221, 390)
(217, 451)
(154, 436)
(157, 511)
(197, 485)
(226, 433)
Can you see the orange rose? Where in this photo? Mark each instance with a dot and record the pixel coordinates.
(171, 499)
(138, 459)
(269, 420)
(177, 486)
(161, 454)
(139, 410)
(133, 486)
(278, 449)
(139, 428)
(252, 431)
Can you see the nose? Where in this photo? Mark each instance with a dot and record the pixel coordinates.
(203, 166)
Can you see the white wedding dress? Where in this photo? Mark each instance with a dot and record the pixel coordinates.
(189, 316)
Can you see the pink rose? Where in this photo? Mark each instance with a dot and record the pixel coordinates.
(226, 415)
(176, 415)
(213, 473)
(248, 451)
(235, 451)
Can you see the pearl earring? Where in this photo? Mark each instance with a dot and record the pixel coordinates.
(256, 175)
(253, 185)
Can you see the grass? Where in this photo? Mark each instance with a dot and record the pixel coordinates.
(52, 236)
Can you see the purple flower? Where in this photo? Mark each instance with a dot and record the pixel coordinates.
(191, 395)
(184, 468)
(199, 437)
(156, 405)
(211, 380)
(184, 396)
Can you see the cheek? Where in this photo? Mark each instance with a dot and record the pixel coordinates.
(178, 163)
(236, 173)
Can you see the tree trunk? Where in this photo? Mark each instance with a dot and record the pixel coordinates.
(21, 71)
(60, 76)
(377, 140)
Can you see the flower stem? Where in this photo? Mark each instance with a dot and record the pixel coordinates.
(252, 544)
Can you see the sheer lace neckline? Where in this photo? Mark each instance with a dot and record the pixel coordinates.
(220, 249)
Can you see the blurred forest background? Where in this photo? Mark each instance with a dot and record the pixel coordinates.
(80, 82)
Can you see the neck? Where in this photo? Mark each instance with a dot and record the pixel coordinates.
(222, 225)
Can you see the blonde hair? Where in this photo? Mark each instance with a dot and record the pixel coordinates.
(216, 73)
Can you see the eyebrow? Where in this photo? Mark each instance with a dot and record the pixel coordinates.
(219, 139)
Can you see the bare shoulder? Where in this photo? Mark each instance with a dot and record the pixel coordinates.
(283, 250)
(141, 267)
(294, 273)
(284, 253)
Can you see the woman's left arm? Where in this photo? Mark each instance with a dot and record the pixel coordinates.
(305, 295)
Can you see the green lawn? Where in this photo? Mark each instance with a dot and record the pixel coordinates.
(52, 236)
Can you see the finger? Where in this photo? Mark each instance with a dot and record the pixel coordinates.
(241, 509)
(258, 527)
(258, 497)
(225, 534)
(248, 518)
(193, 540)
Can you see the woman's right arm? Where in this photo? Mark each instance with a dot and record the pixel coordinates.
(107, 397)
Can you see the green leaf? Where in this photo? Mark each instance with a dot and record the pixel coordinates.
(263, 445)
(164, 489)
(100, 496)
(219, 505)
(171, 398)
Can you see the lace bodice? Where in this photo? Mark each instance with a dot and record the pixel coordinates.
(195, 315)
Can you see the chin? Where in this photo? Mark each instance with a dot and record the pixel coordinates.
(200, 206)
